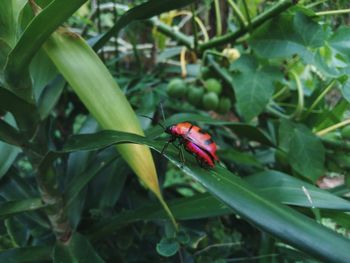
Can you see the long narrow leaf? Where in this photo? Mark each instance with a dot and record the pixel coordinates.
(280, 221)
(14, 207)
(100, 93)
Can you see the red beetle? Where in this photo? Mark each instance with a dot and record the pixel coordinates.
(195, 141)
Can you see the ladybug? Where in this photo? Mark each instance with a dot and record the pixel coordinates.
(195, 141)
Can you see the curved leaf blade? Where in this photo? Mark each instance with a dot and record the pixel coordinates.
(11, 208)
(278, 220)
(289, 190)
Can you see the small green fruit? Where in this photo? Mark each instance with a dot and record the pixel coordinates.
(205, 72)
(213, 85)
(224, 106)
(195, 95)
(210, 101)
(177, 88)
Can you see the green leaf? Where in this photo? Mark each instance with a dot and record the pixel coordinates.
(78, 249)
(289, 190)
(42, 71)
(26, 254)
(240, 158)
(310, 32)
(142, 11)
(254, 87)
(8, 153)
(81, 180)
(345, 90)
(286, 35)
(25, 113)
(168, 247)
(11, 208)
(49, 96)
(37, 32)
(17, 231)
(305, 151)
(75, 192)
(340, 41)
(10, 135)
(280, 221)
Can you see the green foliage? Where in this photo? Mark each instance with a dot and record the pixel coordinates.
(271, 89)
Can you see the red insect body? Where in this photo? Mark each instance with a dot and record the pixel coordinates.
(196, 142)
(201, 155)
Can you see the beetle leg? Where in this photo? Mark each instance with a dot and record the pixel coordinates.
(172, 139)
(182, 156)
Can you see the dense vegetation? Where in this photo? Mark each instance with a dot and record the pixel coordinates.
(87, 87)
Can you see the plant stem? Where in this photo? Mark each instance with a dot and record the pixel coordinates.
(48, 187)
(299, 109)
(218, 18)
(194, 26)
(333, 127)
(246, 10)
(320, 97)
(333, 12)
(240, 16)
(171, 32)
(256, 22)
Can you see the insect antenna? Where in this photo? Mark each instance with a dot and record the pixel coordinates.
(162, 111)
(152, 119)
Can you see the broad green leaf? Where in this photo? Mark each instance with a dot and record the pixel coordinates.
(285, 36)
(276, 38)
(103, 98)
(345, 90)
(289, 190)
(78, 249)
(11, 208)
(254, 87)
(26, 254)
(310, 32)
(340, 41)
(34, 36)
(305, 151)
(278, 220)
(142, 11)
